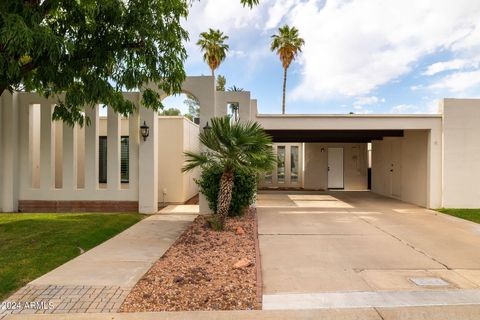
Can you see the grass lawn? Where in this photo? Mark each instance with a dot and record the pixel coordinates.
(467, 214)
(33, 244)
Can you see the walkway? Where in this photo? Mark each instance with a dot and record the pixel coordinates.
(100, 279)
(357, 250)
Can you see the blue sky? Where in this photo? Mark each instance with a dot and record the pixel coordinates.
(362, 56)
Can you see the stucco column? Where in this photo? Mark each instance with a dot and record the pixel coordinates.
(148, 164)
(9, 152)
(113, 150)
(434, 172)
(91, 149)
(47, 148)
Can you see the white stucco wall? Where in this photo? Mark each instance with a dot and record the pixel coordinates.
(1, 157)
(408, 158)
(355, 165)
(461, 153)
(176, 135)
(190, 143)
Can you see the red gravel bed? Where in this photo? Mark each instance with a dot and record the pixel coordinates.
(198, 273)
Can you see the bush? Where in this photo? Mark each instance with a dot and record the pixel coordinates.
(243, 193)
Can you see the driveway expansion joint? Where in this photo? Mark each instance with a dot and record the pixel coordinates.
(406, 243)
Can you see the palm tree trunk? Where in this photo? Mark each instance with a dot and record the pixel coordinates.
(284, 89)
(213, 73)
(225, 195)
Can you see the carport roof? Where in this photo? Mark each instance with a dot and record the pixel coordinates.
(344, 128)
(332, 135)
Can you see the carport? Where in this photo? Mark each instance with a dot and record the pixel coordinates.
(397, 156)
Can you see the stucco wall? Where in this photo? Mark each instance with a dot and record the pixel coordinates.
(461, 153)
(1, 157)
(176, 135)
(355, 165)
(190, 143)
(408, 158)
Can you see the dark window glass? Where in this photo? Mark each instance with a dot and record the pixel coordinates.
(102, 159)
(124, 163)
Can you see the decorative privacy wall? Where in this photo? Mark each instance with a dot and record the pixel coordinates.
(106, 166)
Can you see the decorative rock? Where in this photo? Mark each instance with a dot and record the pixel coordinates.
(240, 231)
(242, 263)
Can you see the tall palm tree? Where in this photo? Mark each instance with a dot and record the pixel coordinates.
(287, 43)
(232, 146)
(214, 48)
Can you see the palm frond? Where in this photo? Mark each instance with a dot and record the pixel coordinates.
(234, 146)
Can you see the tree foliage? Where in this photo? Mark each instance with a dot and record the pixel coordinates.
(193, 107)
(171, 112)
(234, 146)
(214, 48)
(243, 192)
(221, 82)
(92, 50)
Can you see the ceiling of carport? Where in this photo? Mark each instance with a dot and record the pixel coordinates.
(331, 135)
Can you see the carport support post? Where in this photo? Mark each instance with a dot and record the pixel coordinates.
(434, 172)
(148, 164)
(9, 152)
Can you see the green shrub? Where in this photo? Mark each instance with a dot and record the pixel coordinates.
(243, 193)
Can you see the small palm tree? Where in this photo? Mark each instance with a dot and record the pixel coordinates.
(287, 43)
(232, 146)
(214, 48)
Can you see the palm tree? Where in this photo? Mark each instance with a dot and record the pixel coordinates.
(287, 44)
(214, 48)
(232, 146)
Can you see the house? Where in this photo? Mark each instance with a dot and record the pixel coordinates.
(431, 160)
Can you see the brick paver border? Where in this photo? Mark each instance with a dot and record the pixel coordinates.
(64, 299)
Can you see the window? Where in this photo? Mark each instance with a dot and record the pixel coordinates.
(124, 160)
(103, 162)
(294, 164)
(281, 164)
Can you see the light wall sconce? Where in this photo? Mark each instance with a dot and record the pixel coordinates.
(322, 150)
(207, 127)
(144, 130)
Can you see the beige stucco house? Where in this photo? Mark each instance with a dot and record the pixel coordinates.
(430, 160)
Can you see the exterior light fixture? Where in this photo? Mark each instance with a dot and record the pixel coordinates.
(207, 127)
(322, 150)
(145, 130)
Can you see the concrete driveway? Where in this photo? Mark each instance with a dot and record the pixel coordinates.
(358, 249)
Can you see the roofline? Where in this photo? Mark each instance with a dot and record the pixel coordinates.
(433, 115)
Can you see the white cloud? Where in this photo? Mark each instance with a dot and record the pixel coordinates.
(455, 64)
(276, 13)
(369, 100)
(360, 104)
(458, 82)
(404, 108)
(429, 107)
(353, 47)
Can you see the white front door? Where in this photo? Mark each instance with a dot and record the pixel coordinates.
(335, 168)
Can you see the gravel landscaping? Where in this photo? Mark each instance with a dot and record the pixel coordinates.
(203, 270)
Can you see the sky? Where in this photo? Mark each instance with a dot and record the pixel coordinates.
(362, 56)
